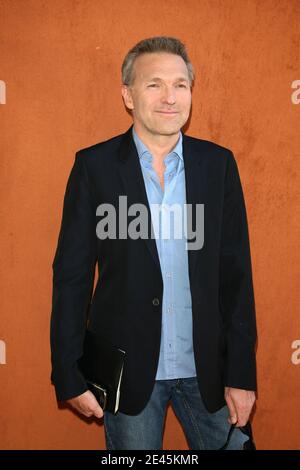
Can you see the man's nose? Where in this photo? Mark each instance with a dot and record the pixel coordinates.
(168, 95)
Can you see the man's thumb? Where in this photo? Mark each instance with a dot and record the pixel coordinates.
(98, 412)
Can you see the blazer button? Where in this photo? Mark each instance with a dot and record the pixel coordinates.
(155, 301)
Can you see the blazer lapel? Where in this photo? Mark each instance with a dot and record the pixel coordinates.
(195, 189)
(134, 186)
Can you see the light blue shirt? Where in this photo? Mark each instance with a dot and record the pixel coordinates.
(176, 359)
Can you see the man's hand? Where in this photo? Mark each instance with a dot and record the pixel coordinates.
(240, 403)
(86, 404)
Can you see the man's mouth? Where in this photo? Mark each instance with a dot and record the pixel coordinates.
(171, 113)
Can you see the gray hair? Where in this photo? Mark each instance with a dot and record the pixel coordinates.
(155, 44)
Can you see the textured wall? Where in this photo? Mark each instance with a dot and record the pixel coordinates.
(60, 91)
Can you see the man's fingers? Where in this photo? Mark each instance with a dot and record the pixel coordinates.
(240, 403)
(95, 407)
(87, 405)
(98, 412)
(243, 416)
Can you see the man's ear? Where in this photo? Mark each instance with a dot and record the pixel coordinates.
(127, 97)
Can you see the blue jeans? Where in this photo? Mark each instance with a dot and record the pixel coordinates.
(203, 430)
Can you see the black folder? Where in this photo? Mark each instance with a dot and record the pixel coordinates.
(102, 367)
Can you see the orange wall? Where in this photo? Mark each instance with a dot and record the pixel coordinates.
(60, 61)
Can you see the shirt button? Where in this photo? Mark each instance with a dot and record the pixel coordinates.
(155, 301)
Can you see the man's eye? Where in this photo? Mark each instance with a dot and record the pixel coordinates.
(181, 85)
(153, 85)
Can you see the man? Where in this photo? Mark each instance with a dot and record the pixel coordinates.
(183, 313)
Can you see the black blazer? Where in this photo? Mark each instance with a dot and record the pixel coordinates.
(126, 306)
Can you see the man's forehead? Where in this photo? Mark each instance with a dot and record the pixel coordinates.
(173, 77)
(161, 65)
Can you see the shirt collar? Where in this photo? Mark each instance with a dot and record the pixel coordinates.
(142, 149)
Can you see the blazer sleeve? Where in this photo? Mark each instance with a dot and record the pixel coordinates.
(73, 275)
(236, 287)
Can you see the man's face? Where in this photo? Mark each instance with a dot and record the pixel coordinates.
(160, 95)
